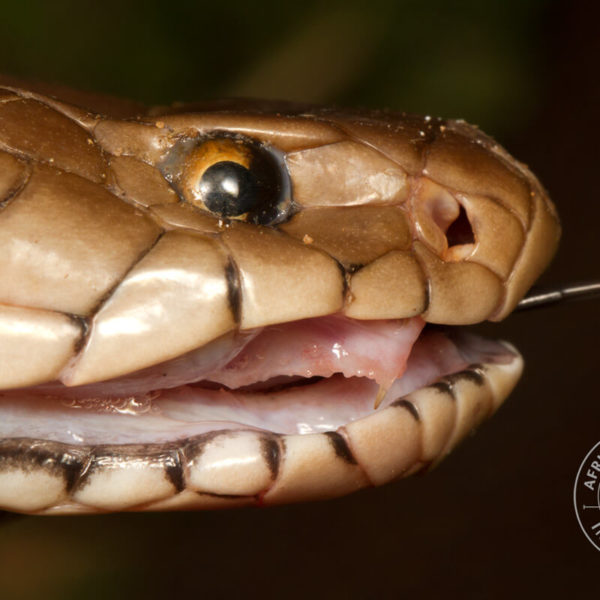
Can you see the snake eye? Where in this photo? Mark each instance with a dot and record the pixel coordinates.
(232, 177)
(228, 189)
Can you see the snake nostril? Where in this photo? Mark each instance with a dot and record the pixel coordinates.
(460, 231)
(443, 222)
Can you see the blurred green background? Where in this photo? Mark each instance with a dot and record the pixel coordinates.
(496, 519)
(479, 60)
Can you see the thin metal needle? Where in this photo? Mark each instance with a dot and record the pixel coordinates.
(578, 291)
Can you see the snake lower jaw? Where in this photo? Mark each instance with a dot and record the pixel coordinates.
(206, 446)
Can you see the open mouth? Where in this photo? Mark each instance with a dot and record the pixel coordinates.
(346, 403)
(218, 306)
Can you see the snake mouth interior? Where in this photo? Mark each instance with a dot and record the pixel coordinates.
(311, 376)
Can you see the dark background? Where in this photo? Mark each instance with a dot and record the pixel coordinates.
(496, 519)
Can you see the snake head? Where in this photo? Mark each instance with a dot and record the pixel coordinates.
(237, 304)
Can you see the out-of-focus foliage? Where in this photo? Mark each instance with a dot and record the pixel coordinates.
(468, 59)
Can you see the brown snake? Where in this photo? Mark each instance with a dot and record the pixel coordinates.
(167, 252)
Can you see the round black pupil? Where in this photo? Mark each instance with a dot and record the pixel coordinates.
(228, 189)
